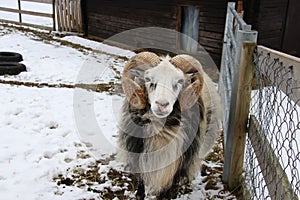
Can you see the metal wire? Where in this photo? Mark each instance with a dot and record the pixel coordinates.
(279, 118)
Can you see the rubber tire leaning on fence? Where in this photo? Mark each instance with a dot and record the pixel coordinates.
(11, 68)
(10, 57)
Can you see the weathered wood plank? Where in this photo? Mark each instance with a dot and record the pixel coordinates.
(287, 61)
(40, 1)
(211, 35)
(211, 42)
(241, 114)
(19, 7)
(26, 12)
(67, 15)
(58, 15)
(27, 24)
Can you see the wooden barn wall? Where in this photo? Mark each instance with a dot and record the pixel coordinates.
(211, 25)
(105, 18)
(268, 17)
(292, 29)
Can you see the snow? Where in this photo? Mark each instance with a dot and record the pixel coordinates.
(99, 46)
(37, 135)
(44, 61)
(51, 132)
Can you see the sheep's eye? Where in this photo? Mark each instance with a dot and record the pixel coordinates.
(179, 82)
(147, 79)
(149, 82)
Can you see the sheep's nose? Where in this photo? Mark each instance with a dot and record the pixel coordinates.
(162, 104)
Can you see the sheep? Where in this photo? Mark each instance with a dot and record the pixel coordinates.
(169, 120)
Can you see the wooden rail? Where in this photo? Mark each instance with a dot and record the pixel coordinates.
(40, 1)
(26, 12)
(288, 61)
(66, 15)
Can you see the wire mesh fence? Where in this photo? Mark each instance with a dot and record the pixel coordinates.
(272, 158)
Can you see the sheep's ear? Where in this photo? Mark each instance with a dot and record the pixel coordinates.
(190, 95)
(134, 93)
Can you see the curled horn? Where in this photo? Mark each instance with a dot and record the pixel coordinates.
(133, 91)
(191, 93)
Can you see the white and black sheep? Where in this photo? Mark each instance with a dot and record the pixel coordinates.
(169, 120)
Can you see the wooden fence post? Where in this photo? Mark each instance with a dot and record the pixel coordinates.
(20, 14)
(245, 74)
(54, 14)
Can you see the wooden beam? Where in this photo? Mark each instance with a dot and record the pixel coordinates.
(54, 14)
(287, 61)
(68, 15)
(58, 15)
(40, 1)
(19, 8)
(26, 12)
(246, 73)
(79, 17)
(27, 24)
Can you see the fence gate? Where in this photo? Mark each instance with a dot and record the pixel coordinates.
(236, 32)
(69, 15)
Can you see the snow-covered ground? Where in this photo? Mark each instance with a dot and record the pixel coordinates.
(49, 148)
(41, 57)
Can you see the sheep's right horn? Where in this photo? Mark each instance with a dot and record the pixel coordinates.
(133, 91)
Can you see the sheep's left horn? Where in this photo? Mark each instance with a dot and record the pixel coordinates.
(190, 95)
(133, 91)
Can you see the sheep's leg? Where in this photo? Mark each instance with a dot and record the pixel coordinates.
(140, 195)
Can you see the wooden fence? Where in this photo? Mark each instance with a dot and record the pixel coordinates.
(69, 15)
(66, 15)
(20, 11)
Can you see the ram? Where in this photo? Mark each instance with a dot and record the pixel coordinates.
(169, 120)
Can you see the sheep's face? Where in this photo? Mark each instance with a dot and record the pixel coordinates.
(163, 83)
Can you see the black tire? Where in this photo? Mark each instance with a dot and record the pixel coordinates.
(10, 57)
(11, 68)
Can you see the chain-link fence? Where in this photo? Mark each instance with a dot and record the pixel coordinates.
(272, 159)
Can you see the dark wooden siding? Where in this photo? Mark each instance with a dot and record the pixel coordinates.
(291, 43)
(105, 18)
(211, 27)
(277, 23)
(268, 17)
